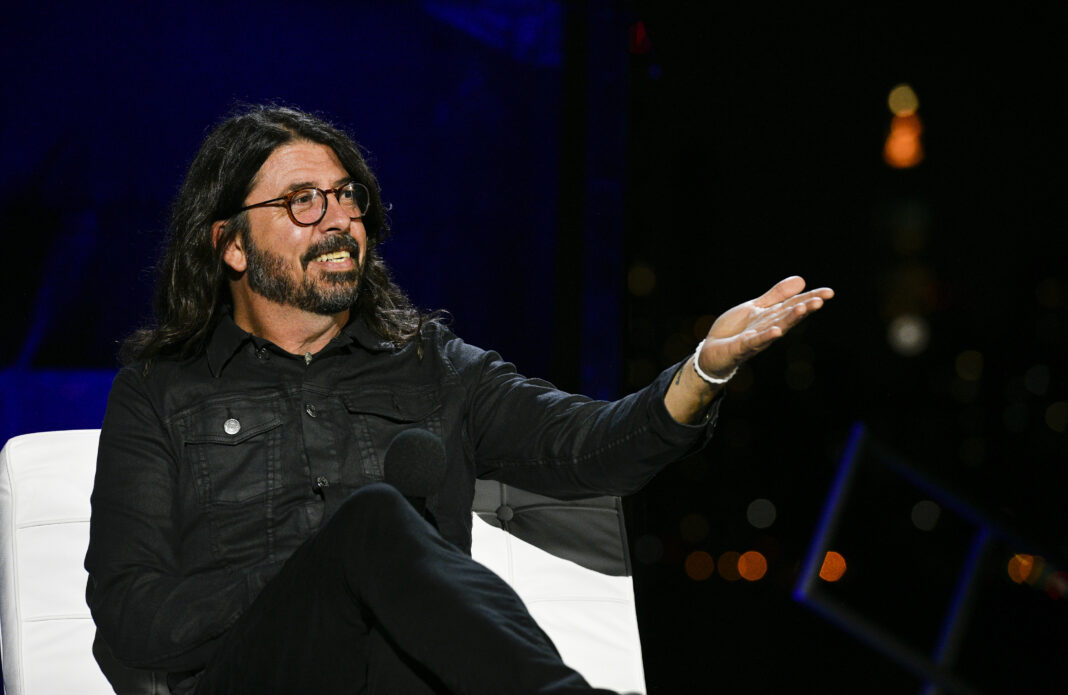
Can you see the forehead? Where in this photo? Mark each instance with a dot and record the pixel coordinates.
(299, 162)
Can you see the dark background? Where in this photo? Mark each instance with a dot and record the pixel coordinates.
(585, 200)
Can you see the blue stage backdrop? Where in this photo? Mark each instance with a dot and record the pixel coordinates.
(459, 106)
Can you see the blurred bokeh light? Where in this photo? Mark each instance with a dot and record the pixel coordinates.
(728, 566)
(699, 565)
(908, 335)
(903, 100)
(903, 148)
(760, 513)
(752, 565)
(834, 566)
(925, 515)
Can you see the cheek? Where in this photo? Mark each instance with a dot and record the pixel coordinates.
(294, 242)
(296, 237)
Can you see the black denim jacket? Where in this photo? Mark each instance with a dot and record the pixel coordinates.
(213, 470)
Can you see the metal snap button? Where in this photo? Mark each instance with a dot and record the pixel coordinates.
(322, 482)
(231, 426)
(311, 410)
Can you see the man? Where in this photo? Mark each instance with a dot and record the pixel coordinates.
(240, 539)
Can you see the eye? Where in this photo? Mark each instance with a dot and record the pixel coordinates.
(355, 195)
(304, 197)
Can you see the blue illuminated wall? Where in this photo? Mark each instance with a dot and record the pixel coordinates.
(459, 106)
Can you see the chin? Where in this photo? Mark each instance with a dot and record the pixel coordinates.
(342, 277)
(340, 294)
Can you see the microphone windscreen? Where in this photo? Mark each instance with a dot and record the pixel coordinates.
(415, 463)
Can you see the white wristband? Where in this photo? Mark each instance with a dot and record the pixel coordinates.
(715, 381)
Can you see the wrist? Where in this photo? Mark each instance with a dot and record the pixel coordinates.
(710, 379)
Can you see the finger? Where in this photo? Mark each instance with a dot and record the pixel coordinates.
(754, 341)
(815, 303)
(822, 294)
(783, 318)
(789, 317)
(794, 314)
(786, 313)
(783, 290)
(808, 306)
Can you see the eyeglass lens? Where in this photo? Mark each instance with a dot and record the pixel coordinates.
(309, 204)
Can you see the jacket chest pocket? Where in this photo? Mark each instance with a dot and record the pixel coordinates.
(234, 451)
(378, 416)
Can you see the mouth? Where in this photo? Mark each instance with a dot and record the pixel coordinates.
(337, 254)
(335, 257)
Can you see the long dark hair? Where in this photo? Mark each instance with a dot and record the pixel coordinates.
(191, 285)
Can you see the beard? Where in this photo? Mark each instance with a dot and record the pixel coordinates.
(331, 294)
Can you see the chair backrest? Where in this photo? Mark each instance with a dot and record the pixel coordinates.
(570, 564)
(45, 628)
(578, 590)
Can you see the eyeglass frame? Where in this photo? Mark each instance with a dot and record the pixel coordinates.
(286, 201)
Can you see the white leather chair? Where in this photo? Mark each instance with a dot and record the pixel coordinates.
(579, 591)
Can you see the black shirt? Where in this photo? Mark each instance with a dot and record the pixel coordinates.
(213, 470)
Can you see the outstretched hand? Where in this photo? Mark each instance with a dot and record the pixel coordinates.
(735, 337)
(752, 326)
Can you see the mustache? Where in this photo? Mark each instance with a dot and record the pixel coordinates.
(331, 244)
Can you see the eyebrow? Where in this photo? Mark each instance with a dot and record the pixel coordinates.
(297, 185)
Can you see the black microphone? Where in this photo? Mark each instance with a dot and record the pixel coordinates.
(415, 465)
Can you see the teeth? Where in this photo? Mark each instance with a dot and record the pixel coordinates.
(336, 256)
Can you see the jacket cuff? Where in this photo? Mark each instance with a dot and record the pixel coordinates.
(671, 430)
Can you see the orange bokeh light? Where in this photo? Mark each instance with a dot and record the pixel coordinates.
(903, 148)
(1020, 567)
(834, 566)
(752, 566)
(728, 566)
(699, 565)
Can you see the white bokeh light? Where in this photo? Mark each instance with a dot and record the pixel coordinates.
(908, 335)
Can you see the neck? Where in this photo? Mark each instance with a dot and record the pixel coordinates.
(294, 330)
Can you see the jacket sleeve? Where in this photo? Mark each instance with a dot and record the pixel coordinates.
(146, 610)
(527, 433)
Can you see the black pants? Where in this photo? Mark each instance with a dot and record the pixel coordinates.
(378, 602)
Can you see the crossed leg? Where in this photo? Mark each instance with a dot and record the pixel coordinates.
(378, 602)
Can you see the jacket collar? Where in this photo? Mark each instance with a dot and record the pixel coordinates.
(228, 338)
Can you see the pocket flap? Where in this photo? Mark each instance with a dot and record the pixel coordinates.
(400, 406)
(231, 424)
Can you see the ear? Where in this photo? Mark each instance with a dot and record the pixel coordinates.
(233, 254)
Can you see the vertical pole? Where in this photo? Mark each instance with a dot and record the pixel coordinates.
(953, 627)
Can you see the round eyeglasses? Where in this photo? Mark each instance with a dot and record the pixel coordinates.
(306, 206)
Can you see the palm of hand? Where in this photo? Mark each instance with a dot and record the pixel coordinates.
(750, 327)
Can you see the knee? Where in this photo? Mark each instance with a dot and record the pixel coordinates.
(374, 504)
(375, 521)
